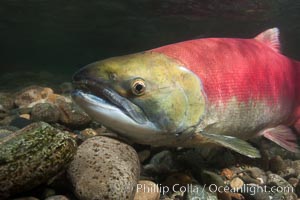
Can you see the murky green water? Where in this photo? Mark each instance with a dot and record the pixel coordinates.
(62, 36)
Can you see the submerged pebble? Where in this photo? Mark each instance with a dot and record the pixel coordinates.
(29, 96)
(27, 198)
(276, 180)
(71, 115)
(4, 133)
(20, 122)
(6, 121)
(236, 183)
(147, 190)
(45, 112)
(162, 162)
(87, 133)
(198, 192)
(144, 155)
(25, 116)
(104, 168)
(57, 197)
(277, 164)
(6, 101)
(31, 156)
(66, 87)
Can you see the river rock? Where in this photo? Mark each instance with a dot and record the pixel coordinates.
(104, 168)
(255, 192)
(25, 116)
(3, 113)
(177, 180)
(48, 192)
(7, 120)
(227, 173)
(276, 180)
(144, 155)
(20, 122)
(57, 197)
(71, 115)
(27, 198)
(147, 190)
(45, 112)
(6, 101)
(5, 133)
(9, 128)
(236, 183)
(198, 192)
(87, 133)
(29, 96)
(66, 87)
(30, 156)
(283, 189)
(277, 164)
(162, 162)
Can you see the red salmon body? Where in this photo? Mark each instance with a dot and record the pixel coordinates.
(200, 93)
(250, 87)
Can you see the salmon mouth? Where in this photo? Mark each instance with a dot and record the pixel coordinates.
(97, 91)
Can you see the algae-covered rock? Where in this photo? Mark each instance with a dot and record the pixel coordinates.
(46, 112)
(32, 155)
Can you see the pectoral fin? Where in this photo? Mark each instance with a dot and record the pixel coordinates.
(234, 144)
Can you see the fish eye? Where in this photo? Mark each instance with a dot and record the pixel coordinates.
(138, 87)
(113, 76)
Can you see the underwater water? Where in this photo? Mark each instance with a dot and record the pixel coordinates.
(43, 43)
(62, 36)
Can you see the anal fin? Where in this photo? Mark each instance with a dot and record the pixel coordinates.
(283, 136)
(234, 144)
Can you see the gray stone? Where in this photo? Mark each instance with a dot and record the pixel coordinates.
(26, 198)
(104, 168)
(46, 112)
(57, 197)
(276, 180)
(5, 133)
(144, 155)
(281, 188)
(48, 192)
(199, 193)
(253, 191)
(71, 115)
(66, 87)
(7, 120)
(162, 162)
(6, 101)
(277, 164)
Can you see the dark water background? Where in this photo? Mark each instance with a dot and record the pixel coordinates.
(61, 36)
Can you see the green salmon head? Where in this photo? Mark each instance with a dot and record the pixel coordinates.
(146, 97)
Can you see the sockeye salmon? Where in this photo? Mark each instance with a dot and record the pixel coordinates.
(220, 91)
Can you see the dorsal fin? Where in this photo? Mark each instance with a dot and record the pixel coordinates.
(270, 37)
